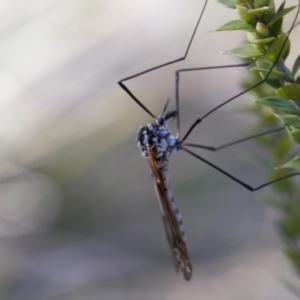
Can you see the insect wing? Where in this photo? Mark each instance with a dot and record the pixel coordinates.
(174, 236)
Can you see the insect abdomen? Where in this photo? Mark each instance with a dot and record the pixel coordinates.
(173, 204)
(178, 216)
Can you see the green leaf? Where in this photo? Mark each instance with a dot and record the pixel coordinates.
(236, 25)
(275, 29)
(290, 120)
(286, 50)
(265, 71)
(242, 12)
(264, 66)
(281, 105)
(262, 30)
(296, 66)
(263, 41)
(270, 14)
(274, 82)
(289, 91)
(292, 126)
(259, 3)
(245, 51)
(228, 3)
(276, 47)
(293, 163)
(279, 14)
(294, 134)
(258, 11)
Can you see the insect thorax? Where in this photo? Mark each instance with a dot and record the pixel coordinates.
(157, 138)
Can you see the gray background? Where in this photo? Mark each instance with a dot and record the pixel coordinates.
(78, 215)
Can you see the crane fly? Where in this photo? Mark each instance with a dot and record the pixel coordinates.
(157, 144)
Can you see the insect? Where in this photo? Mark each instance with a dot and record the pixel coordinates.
(157, 144)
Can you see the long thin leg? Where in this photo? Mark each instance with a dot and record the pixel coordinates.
(177, 77)
(234, 142)
(199, 120)
(125, 88)
(242, 183)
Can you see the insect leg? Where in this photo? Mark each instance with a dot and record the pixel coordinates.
(210, 148)
(177, 77)
(126, 89)
(199, 120)
(240, 182)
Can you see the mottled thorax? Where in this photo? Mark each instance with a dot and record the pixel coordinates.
(156, 137)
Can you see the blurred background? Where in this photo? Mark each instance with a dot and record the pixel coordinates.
(78, 213)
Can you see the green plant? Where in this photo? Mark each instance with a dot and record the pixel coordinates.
(277, 90)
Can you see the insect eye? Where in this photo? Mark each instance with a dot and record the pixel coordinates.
(160, 121)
